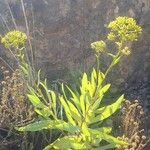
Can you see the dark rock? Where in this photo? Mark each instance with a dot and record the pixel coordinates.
(62, 31)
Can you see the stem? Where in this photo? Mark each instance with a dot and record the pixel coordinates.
(117, 56)
(98, 63)
(7, 64)
(13, 55)
(112, 63)
(109, 68)
(28, 33)
(97, 87)
(11, 14)
(4, 22)
(106, 73)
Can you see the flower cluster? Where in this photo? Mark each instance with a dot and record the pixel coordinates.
(14, 39)
(126, 51)
(98, 46)
(124, 29)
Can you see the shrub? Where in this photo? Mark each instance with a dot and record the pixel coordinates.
(82, 125)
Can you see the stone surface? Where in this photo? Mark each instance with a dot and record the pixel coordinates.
(62, 30)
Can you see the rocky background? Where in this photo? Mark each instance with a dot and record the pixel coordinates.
(62, 30)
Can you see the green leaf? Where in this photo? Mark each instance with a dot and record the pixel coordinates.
(69, 142)
(100, 94)
(110, 109)
(75, 98)
(93, 75)
(108, 146)
(116, 60)
(63, 90)
(92, 84)
(32, 91)
(85, 130)
(49, 124)
(35, 101)
(82, 104)
(74, 112)
(107, 111)
(111, 139)
(67, 110)
(25, 71)
(102, 129)
(101, 78)
(46, 90)
(87, 102)
(43, 112)
(53, 97)
(91, 88)
(84, 83)
(103, 90)
(102, 133)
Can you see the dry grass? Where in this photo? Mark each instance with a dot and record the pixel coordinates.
(132, 118)
(14, 108)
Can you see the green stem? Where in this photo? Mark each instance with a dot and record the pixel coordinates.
(113, 61)
(109, 68)
(98, 62)
(106, 73)
(97, 87)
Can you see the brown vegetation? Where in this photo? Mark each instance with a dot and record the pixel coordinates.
(132, 121)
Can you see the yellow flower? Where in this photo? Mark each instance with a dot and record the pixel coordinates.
(126, 51)
(14, 39)
(124, 29)
(98, 46)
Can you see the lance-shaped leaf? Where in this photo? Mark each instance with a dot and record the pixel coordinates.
(102, 129)
(108, 146)
(107, 111)
(101, 78)
(68, 142)
(44, 86)
(85, 130)
(67, 110)
(82, 104)
(84, 83)
(43, 112)
(53, 97)
(107, 137)
(100, 94)
(74, 98)
(25, 70)
(110, 109)
(49, 124)
(74, 112)
(35, 101)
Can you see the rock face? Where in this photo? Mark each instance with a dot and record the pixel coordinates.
(62, 31)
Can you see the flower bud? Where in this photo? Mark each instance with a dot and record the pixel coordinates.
(126, 51)
(98, 46)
